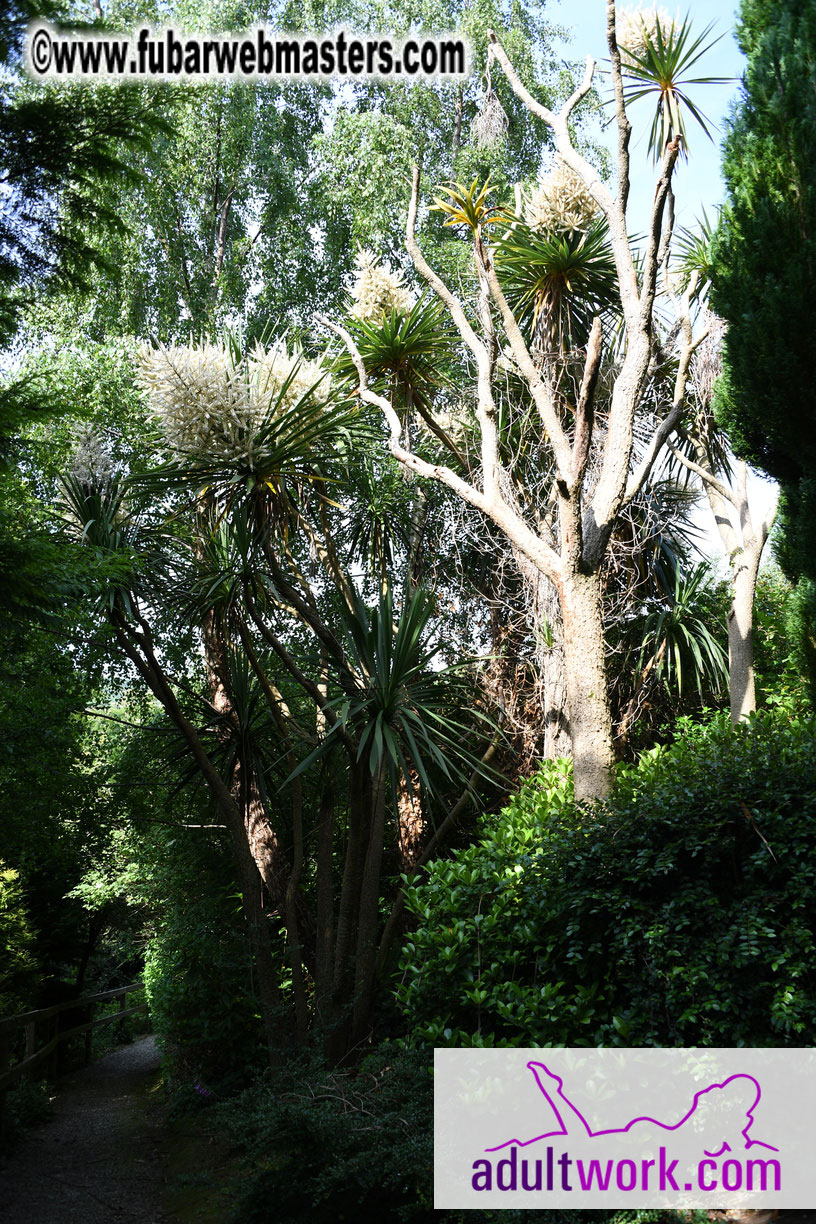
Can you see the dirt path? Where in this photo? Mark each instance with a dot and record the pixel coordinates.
(98, 1160)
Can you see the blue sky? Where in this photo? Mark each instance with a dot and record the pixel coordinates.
(698, 182)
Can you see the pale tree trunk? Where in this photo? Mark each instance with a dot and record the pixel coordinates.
(410, 821)
(553, 685)
(743, 542)
(573, 563)
(544, 611)
(741, 635)
(590, 719)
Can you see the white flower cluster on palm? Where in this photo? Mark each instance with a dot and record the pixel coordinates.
(637, 25)
(560, 202)
(211, 405)
(91, 461)
(377, 290)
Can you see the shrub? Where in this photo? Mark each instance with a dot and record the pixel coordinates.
(333, 1145)
(357, 1145)
(27, 1104)
(680, 912)
(18, 970)
(198, 972)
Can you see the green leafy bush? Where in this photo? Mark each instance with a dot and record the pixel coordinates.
(357, 1145)
(779, 630)
(333, 1145)
(680, 912)
(18, 969)
(27, 1104)
(197, 966)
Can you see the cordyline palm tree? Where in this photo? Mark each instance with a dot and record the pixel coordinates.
(391, 718)
(397, 717)
(410, 352)
(677, 642)
(701, 450)
(669, 651)
(587, 498)
(656, 66)
(136, 566)
(556, 283)
(347, 688)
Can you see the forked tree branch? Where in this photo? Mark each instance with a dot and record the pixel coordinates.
(673, 418)
(559, 123)
(651, 260)
(624, 126)
(494, 507)
(485, 407)
(439, 287)
(542, 396)
(770, 519)
(584, 408)
(707, 477)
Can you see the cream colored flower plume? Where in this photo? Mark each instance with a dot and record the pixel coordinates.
(635, 25)
(211, 406)
(377, 291)
(559, 202)
(91, 461)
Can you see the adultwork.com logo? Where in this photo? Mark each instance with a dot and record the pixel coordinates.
(716, 1111)
(619, 1128)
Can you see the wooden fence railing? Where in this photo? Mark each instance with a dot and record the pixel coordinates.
(44, 1032)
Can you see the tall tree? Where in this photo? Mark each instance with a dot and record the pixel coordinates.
(241, 214)
(764, 267)
(561, 373)
(743, 534)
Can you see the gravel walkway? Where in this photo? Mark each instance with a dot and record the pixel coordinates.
(98, 1160)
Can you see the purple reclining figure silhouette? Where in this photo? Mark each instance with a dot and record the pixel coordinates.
(741, 1095)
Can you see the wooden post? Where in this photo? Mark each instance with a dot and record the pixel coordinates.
(51, 1065)
(4, 1066)
(89, 1035)
(31, 1039)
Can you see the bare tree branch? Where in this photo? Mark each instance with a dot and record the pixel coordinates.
(672, 420)
(595, 184)
(485, 406)
(584, 408)
(770, 519)
(707, 477)
(540, 391)
(624, 126)
(495, 507)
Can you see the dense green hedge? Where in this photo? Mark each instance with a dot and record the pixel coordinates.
(333, 1147)
(18, 969)
(197, 965)
(680, 912)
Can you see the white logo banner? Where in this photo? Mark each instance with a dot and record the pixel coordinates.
(624, 1128)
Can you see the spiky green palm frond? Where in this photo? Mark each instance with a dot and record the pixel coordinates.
(557, 283)
(678, 643)
(406, 713)
(694, 254)
(377, 521)
(469, 206)
(408, 355)
(97, 512)
(226, 562)
(298, 431)
(659, 69)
